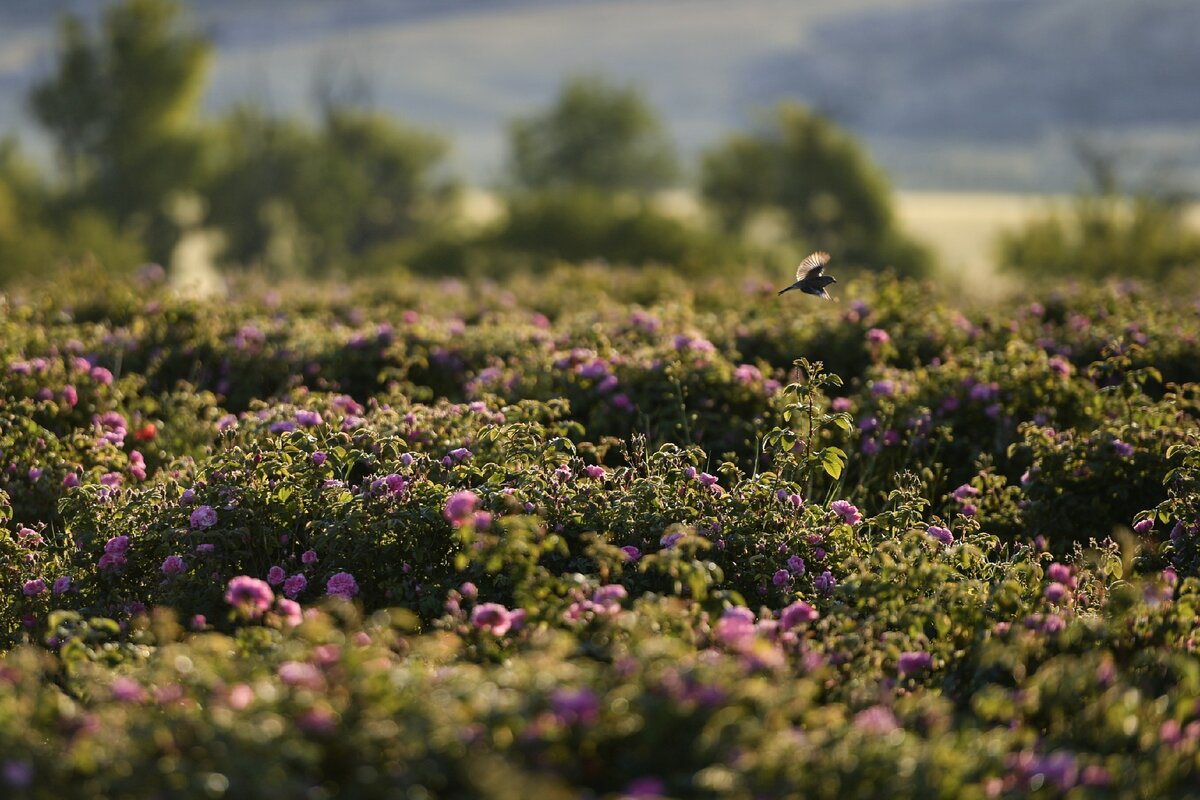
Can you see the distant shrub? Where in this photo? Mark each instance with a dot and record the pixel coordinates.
(595, 135)
(820, 180)
(542, 228)
(120, 108)
(293, 198)
(1104, 235)
(39, 237)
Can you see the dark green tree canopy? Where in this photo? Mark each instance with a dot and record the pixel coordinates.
(121, 108)
(595, 135)
(35, 240)
(334, 191)
(818, 176)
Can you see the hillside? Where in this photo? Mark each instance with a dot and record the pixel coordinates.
(948, 93)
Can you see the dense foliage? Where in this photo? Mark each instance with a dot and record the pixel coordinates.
(604, 533)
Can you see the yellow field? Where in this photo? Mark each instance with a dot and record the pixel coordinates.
(962, 227)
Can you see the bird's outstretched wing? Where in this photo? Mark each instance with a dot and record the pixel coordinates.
(812, 265)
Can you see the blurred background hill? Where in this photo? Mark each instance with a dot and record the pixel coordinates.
(1012, 101)
(949, 94)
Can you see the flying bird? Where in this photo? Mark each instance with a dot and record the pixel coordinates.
(809, 278)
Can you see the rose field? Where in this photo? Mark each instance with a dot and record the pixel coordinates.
(599, 533)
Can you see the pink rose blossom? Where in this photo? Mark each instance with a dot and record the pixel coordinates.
(846, 511)
(735, 628)
(203, 517)
(914, 661)
(607, 599)
(294, 585)
(342, 585)
(308, 419)
(1060, 367)
(1060, 573)
(111, 561)
(878, 336)
(877, 720)
(943, 535)
(301, 674)
(290, 612)
(492, 618)
(1055, 592)
(249, 595)
(797, 613)
(127, 690)
(460, 505)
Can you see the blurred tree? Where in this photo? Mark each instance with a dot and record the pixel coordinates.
(582, 223)
(21, 207)
(582, 170)
(121, 108)
(738, 179)
(1109, 230)
(34, 241)
(22, 190)
(822, 182)
(596, 135)
(290, 197)
(1105, 235)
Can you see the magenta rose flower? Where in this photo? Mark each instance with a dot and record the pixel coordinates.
(342, 585)
(249, 595)
(203, 517)
(460, 505)
(492, 618)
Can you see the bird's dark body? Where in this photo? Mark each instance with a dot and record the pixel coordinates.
(815, 285)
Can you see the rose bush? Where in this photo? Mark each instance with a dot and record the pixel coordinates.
(620, 537)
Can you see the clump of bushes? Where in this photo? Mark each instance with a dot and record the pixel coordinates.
(1106, 235)
(417, 536)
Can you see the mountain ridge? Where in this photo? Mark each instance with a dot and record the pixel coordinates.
(974, 94)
